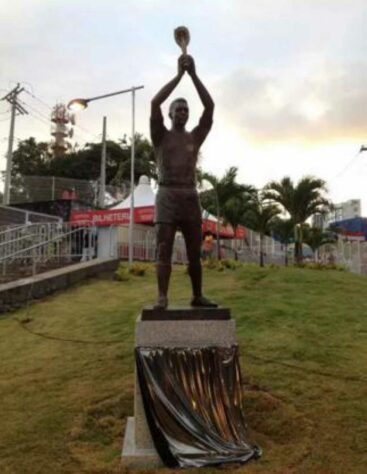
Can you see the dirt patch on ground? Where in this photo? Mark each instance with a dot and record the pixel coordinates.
(95, 440)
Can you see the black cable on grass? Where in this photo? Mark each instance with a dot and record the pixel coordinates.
(23, 324)
(347, 378)
(26, 319)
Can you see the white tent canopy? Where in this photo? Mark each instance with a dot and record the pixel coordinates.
(143, 195)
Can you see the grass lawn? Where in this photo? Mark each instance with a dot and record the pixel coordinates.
(303, 339)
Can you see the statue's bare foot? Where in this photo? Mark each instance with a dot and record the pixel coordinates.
(201, 301)
(162, 303)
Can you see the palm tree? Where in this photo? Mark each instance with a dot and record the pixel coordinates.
(301, 201)
(227, 199)
(222, 190)
(284, 231)
(261, 218)
(316, 237)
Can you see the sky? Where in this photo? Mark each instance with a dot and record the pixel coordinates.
(289, 78)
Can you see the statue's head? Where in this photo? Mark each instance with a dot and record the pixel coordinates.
(179, 112)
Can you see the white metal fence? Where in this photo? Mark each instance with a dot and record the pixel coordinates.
(12, 216)
(33, 248)
(246, 250)
(351, 253)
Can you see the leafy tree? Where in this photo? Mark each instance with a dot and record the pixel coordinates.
(301, 201)
(144, 161)
(261, 218)
(33, 159)
(30, 158)
(86, 162)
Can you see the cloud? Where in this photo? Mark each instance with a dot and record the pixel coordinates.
(324, 102)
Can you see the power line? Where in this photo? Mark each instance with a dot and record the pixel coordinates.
(82, 133)
(48, 120)
(38, 99)
(40, 119)
(50, 108)
(44, 117)
(347, 166)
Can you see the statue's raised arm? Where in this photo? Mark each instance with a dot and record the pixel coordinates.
(189, 66)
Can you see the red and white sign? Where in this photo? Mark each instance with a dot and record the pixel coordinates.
(143, 215)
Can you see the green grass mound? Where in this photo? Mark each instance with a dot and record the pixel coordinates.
(67, 370)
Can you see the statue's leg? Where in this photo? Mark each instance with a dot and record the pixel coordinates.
(192, 235)
(193, 239)
(165, 239)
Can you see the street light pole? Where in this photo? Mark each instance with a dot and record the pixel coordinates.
(102, 187)
(132, 180)
(79, 104)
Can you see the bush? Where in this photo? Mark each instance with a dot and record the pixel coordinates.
(273, 266)
(138, 269)
(321, 266)
(231, 264)
(122, 273)
(213, 263)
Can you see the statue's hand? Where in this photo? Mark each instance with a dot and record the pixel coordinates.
(189, 64)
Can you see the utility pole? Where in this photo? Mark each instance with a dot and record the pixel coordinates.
(102, 184)
(12, 98)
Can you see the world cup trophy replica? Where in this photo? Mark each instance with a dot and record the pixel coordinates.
(182, 38)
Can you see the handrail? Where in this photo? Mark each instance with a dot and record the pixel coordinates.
(26, 211)
(13, 229)
(33, 247)
(20, 237)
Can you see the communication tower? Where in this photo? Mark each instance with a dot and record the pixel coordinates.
(61, 129)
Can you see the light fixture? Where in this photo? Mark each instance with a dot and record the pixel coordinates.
(78, 104)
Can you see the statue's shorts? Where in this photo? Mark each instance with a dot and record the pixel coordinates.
(177, 205)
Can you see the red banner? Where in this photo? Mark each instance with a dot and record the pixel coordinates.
(143, 215)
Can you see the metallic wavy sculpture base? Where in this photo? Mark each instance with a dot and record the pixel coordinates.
(193, 404)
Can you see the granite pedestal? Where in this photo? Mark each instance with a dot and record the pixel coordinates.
(176, 327)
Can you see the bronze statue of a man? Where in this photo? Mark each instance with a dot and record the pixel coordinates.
(177, 201)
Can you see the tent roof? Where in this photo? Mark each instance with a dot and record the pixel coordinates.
(143, 195)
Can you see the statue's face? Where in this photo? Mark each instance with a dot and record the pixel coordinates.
(179, 114)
